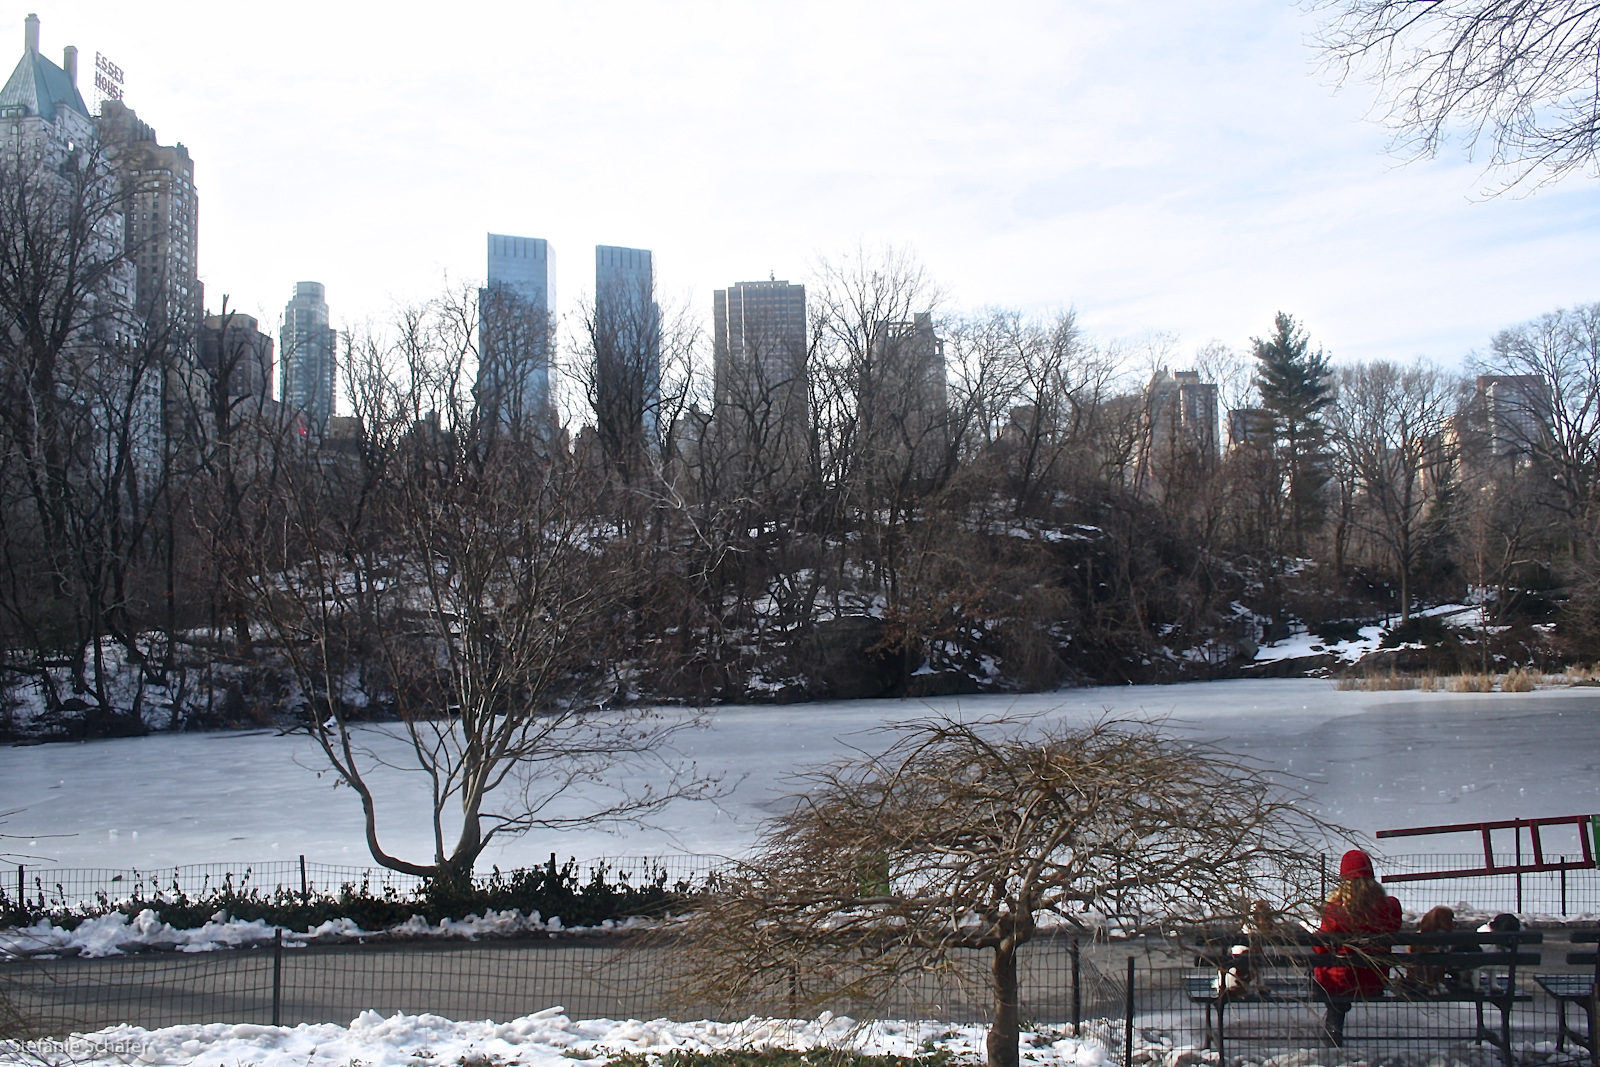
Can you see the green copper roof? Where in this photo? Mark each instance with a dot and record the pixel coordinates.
(39, 87)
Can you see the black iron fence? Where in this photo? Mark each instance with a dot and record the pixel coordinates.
(1143, 1000)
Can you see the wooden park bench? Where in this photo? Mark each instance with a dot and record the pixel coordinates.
(1281, 973)
(1576, 988)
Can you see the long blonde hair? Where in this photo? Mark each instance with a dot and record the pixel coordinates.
(1358, 896)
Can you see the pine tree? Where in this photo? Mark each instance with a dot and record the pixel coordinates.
(1296, 386)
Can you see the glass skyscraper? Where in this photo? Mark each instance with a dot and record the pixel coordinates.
(517, 314)
(627, 339)
(308, 349)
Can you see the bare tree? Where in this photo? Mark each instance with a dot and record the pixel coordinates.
(1551, 411)
(80, 423)
(515, 357)
(440, 575)
(1391, 424)
(964, 837)
(1517, 76)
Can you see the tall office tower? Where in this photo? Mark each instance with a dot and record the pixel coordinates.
(627, 339)
(162, 227)
(308, 349)
(69, 222)
(1518, 410)
(759, 364)
(516, 329)
(1182, 415)
(237, 359)
(1180, 429)
(906, 418)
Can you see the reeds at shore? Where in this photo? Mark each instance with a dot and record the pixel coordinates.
(1516, 680)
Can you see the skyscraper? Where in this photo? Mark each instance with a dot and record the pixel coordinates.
(516, 315)
(162, 227)
(627, 341)
(308, 350)
(68, 232)
(905, 411)
(1181, 432)
(1518, 410)
(759, 363)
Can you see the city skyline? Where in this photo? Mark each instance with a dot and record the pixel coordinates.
(1178, 169)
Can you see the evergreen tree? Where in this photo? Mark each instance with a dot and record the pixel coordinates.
(1296, 386)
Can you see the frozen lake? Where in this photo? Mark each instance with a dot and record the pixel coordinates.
(1369, 761)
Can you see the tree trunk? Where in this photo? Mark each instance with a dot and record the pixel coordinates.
(1004, 1032)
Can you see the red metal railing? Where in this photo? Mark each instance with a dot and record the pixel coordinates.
(1587, 827)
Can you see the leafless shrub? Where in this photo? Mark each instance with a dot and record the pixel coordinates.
(893, 868)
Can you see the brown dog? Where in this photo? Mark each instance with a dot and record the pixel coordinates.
(1440, 920)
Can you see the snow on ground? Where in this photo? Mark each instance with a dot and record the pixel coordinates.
(1368, 760)
(546, 1039)
(1301, 645)
(116, 933)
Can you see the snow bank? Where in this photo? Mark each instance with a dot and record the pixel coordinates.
(546, 1039)
(1302, 645)
(112, 935)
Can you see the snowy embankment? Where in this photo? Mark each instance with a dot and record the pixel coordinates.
(1307, 645)
(545, 1039)
(115, 934)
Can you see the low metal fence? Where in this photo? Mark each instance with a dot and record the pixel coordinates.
(1561, 895)
(1133, 997)
(1565, 895)
(67, 888)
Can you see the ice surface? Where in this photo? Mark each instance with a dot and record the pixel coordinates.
(1369, 760)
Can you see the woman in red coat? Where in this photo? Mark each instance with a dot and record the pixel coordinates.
(1357, 905)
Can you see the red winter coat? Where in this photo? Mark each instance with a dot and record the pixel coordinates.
(1356, 979)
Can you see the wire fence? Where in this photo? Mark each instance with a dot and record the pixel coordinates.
(69, 888)
(1567, 895)
(1141, 999)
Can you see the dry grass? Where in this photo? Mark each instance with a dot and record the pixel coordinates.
(1472, 683)
(1577, 674)
(1375, 683)
(1517, 680)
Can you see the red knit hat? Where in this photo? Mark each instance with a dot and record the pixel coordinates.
(1355, 864)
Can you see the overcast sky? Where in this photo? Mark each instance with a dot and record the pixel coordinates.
(1177, 166)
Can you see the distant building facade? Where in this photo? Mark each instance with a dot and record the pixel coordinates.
(905, 419)
(235, 354)
(1249, 426)
(517, 314)
(73, 216)
(759, 364)
(1180, 432)
(162, 226)
(1182, 412)
(1516, 408)
(627, 340)
(308, 352)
